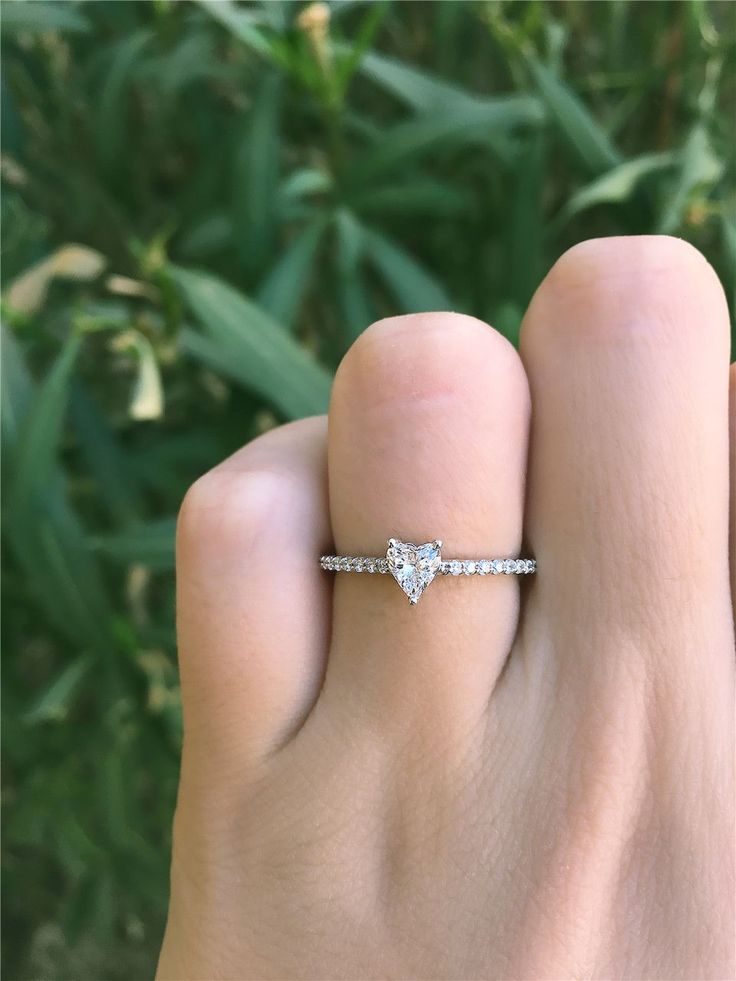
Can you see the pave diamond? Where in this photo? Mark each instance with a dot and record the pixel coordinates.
(456, 567)
(413, 566)
(497, 567)
(469, 567)
(484, 567)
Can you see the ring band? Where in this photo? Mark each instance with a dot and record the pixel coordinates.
(415, 566)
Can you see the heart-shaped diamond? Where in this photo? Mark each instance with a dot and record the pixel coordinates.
(413, 566)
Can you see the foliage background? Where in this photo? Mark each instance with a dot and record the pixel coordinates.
(203, 205)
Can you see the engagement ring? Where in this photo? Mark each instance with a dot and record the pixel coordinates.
(415, 566)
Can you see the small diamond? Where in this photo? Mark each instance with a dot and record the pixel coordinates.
(497, 567)
(532, 565)
(509, 567)
(456, 568)
(343, 564)
(485, 567)
(381, 565)
(369, 565)
(469, 567)
(359, 565)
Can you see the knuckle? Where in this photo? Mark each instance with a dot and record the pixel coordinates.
(224, 506)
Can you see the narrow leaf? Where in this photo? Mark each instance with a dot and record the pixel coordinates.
(352, 291)
(283, 291)
(40, 17)
(700, 168)
(416, 89)
(617, 184)
(54, 701)
(587, 138)
(414, 288)
(38, 445)
(487, 123)
(42, 531)
(255, 176)
(241, 23)
(246, 344)
(420, 196)
(150, 544)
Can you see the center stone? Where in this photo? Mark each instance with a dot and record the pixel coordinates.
(413, 566)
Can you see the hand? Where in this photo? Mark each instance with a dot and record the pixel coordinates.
(521, 777)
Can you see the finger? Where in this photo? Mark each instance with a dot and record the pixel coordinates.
(253, 609)
(626, 349)
(427, 440)
(732, 429)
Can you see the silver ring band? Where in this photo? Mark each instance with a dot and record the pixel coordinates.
(448, 567)
(415, 566)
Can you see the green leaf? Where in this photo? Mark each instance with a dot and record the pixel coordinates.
(150, 544)
(39, 17)
(256, 174)
(507, 321)
(244, 343)
(208, 236)
(54, 701)
(109, 466)
(41, 529)
(585, 136)
(521, 260)
(38, 446)
(303, 183)
(348, 63)
(16, 393)
(110, 136)
(618, 184)
(420, 196)
(352, 291)
(283, 291)
(243, 24)
(490, 123)
(414, 288)
(700, 169)
(416, 89)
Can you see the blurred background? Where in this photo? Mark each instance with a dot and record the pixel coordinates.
(203, 205)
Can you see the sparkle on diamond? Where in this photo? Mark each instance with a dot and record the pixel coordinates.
(413, 566)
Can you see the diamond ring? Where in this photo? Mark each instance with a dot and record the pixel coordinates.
(415, 566)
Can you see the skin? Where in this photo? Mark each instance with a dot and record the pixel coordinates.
(516, 779)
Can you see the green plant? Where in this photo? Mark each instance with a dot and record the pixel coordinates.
(204, 204)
